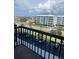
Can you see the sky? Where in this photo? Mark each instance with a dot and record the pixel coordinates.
(38, 7)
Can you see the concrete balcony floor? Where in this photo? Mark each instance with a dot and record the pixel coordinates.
(22, 52)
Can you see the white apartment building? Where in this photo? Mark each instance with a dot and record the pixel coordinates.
(49, 20)
(60, 20)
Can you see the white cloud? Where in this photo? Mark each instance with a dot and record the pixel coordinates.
(49, 6)
(26, 4)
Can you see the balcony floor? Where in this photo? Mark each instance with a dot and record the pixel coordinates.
(22, 52)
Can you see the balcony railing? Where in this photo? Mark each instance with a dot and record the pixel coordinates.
(46, 45)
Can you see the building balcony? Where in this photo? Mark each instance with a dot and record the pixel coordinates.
(22, 52)
(34, 44)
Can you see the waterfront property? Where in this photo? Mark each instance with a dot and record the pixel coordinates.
(33, 44)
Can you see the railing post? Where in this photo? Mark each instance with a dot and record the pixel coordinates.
(54, 49)
(21, 35)
(32, 40)
(15, 35)
(60, 49)
(35, 42)
(45, 46)
(49, 48)
(41, 43)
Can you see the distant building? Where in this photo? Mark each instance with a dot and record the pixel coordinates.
(44, 19)
(49, 20)
(60, 20)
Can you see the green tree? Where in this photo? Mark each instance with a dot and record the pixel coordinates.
(53, 32)
(59, 32)
(30, 23)
(23, 19)
(59, 29)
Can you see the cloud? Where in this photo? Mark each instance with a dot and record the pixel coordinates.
(43, 7)
(46, 6)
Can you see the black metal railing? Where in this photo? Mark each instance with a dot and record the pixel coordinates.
(47, 45)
